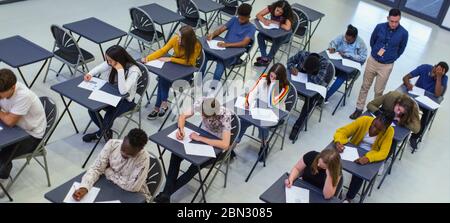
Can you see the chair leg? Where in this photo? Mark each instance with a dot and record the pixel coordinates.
(18, 174)
(89, 124)
(48, 69)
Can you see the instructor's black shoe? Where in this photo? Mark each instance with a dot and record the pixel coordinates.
(356, 114)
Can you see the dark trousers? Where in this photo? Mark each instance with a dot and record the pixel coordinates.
(306, 109)
(423, 124)
(355, 185)
(7, 154)
(111, 114)
(173, 182)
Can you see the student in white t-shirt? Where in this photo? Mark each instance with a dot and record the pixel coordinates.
(21, 107)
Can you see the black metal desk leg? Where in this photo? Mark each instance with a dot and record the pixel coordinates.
(6, 192)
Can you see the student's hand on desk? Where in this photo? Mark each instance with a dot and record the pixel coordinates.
(164, 59)
(209, 36)
(79, 194)
(288, 183)
(180, 134)
(362, 160)
(195, 136)
(222, 44)
(332, 50)
(294, 71)
(87, 77)
(409, 86)
(339, 147)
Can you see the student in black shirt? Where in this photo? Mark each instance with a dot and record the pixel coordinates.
(322, 170)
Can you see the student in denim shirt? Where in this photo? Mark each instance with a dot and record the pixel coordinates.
(349, 46)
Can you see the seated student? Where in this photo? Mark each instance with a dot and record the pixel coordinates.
(372, 134)
(323, 170)
(349, 46)
(280, 14)
(404, 107)
(19, 106)
(216, 119)
(123, 71)
(316, 67)
(433, 79)
(124, 162)
(186, 50)
(264, 89)
(241, 33)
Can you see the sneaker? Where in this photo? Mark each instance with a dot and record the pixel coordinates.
(413, 143)
(294, 133)
(90, 137)
(162, 198)
(326, 102)
(347, 201)
(232, 155)
(356, 114)
(108, 135)
(152, 115)
(162, 112)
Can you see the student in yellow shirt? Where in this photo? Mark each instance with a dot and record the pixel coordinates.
(186, 50)
(372, 134)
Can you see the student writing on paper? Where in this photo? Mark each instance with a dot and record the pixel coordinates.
(19, 106)
(322, 170)
(372, 134)
(317, 69)
(273, 86)
(350, 46)
(240, 34)
(187, 50)
(123, 71)
(404, 107)
(124, 162)
(280, 14)
(433, 79)
(216, 119)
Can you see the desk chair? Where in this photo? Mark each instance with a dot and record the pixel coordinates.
(142, 85)
(301, 34)
(143, 30)
(66, 50)
(189, 10)
(231, 7)
(51, 113)
(154, 176)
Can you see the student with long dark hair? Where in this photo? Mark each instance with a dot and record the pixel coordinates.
(123, 71)
(280, 14)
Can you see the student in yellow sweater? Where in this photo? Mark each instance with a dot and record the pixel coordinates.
(372, 134)
(186, 50)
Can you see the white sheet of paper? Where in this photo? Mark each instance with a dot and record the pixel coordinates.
(155, 63)
(93, 84)
(300, 77)
(317, 88)
(271, 26)
(213, 45)
(199, 150)
(417, 91)
(351, 63)
(186, 139)
(427, 101)
(105, 97)
(350, 153)
(264, 114)
(297, 195)
(88, 198)
(240, 103)
(114, 201)
(334, 56)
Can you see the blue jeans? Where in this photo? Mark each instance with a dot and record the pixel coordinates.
(263, 133)
(111, 114)
(163, 90)
(276, 44)
(220, 66)
(340, 79)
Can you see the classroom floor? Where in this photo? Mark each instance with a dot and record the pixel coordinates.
(420, 177)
